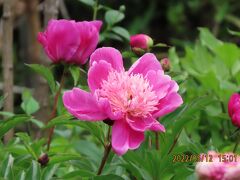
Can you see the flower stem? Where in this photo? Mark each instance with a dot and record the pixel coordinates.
(107, 150)
(54, 111)
(95, 10)
(236, 145)
(174, 143)
(104, 159)
(157, 140)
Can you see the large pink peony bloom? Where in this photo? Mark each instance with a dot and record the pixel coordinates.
(133, 99)
(234, 109)
(218, 170)
(70, 41)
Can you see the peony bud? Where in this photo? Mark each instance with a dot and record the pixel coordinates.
(140, 43)
(69, 41)
(234, 109)
(165, 64)
(43, 159)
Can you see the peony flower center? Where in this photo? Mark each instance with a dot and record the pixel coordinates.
(130, 94)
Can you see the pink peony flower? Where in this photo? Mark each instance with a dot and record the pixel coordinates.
(70, 41)
(140, 43)
(218, 170)
(132, 99)
(234, 109)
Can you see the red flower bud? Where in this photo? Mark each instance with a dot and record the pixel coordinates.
(234, 109)
(140, 43)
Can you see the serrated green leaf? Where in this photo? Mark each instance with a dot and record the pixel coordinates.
(46, 73)
(207, 39)
(113, 16)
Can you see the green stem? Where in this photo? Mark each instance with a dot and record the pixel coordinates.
(95, 10)
(54, 111)
(157, 141)
(107, 150)
(236, 145)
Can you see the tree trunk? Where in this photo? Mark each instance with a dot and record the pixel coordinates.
(41, 89)
(7, 61)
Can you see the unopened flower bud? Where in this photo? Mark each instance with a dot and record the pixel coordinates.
(165, 64)
(43, 159)
(140, 43)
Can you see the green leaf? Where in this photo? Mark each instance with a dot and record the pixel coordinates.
(75, 72)
(208, 39)
(62, 119)
(88, 2)
(46, 73)
(2, 101)
(161, 45)
(11, 123)
(22, 175)
(59, 158)
(68, 120)
(121, 32)
(128, 54)
(34, 171)
(78, 173)
(113, 16)
(235, 33)
(38, 123)
(29, 104)
(108, 177)
(26, 141)
(49, 172)
(7, 165)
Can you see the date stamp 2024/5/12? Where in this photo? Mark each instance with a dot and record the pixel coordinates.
(204, 158)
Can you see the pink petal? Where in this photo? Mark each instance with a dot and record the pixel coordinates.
(162, 84)
(168, 104)
(82, 105)
(97, 73)
(156, 126)
(124, 138)
(59, 31)
(140, 124)
(139, 41)
(97, 24)
(146, 63)
(42, 39)
(105, 106)
(233, 103)
(88, 33)
(108, 54)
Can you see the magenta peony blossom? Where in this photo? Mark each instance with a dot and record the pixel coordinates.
(140, 43)
(218, 170)
(234, 109)
(132, 99)
(70, 41)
